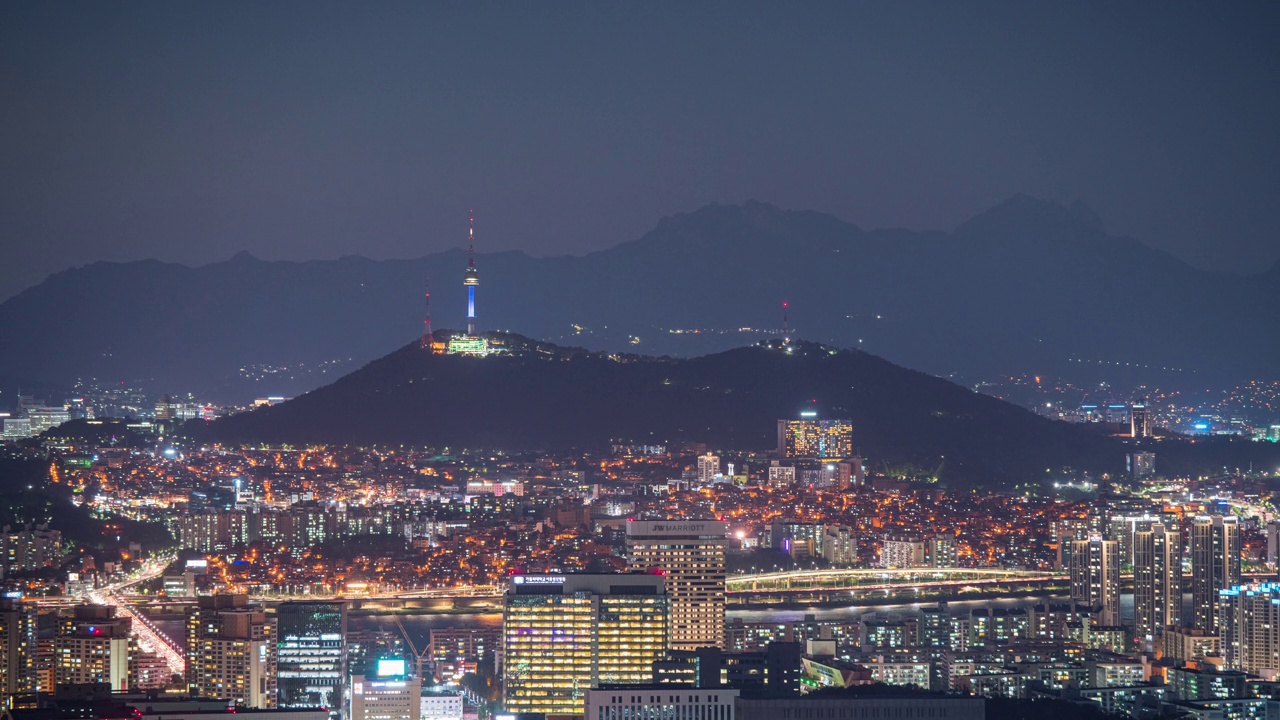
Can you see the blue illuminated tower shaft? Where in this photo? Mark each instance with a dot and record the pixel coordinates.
(471, 309)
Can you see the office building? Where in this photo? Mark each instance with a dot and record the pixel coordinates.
(1095, 577)
(810, 437)
(311, 654)
(691, 555)
(902, 551)
(1249, 621)
(1139, 421)
(441, 706)
(631, 702)
(1215, 566)
(231, 651)
(93, 647)
(1157, 581)
(565, 634)
(387, 692)
(17, 650)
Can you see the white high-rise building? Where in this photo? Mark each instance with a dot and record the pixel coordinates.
(708, 468)
(902, 551)
(1095, 577)
(1215, 565)
(1249, 621)
(691, 554)
(1157, 581)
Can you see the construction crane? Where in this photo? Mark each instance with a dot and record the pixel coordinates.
(419, 658)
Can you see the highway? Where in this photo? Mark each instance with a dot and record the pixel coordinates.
(149, 637)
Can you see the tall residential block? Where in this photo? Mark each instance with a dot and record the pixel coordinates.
(1157, 581)
(231, 651)
(1215, 566)
(1095, 577)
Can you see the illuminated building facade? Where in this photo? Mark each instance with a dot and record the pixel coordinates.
(566, 634)
(17, 650)
(93, 647)
(1215, 566)
(311, 654)
(692, 554)
(1095, 577)
(1248, 619)
(388, 693)
(902, 551)
(1157, 580)
(810, 437)
(231, 651)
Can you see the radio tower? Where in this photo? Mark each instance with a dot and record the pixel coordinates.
(786, 327)
(428, 339)
(471, 279)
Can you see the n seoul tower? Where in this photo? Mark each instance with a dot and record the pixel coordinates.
(471, 278)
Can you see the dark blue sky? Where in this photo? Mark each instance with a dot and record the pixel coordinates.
(188, 131)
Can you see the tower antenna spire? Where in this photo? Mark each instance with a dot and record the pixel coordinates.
(786, 326)
(428, 338)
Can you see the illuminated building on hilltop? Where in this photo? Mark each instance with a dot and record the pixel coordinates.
(471, 279)
(692, 554)
(566, 634)
(810, 437)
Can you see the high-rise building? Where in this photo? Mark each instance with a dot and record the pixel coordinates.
(940, 551)
(311, 654)
(1249, 622)
(231, 651)
(1095, 577)
(1157, 581)
(17, 650)
(93, 647)
(810, 437)
(839, 545)
(708, 467)
(691, 554)
(387, 692)
(902, 551)
(1139, 421)
(1141, 464)
(455, 652)
(1273, 542)
(1215, 565)
(565, 634)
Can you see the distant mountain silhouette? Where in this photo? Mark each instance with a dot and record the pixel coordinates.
(1029, 285)
(548, 397)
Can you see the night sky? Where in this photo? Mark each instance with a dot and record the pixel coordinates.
(188, 131)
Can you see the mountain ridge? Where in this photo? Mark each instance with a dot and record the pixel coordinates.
(1029, 285)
